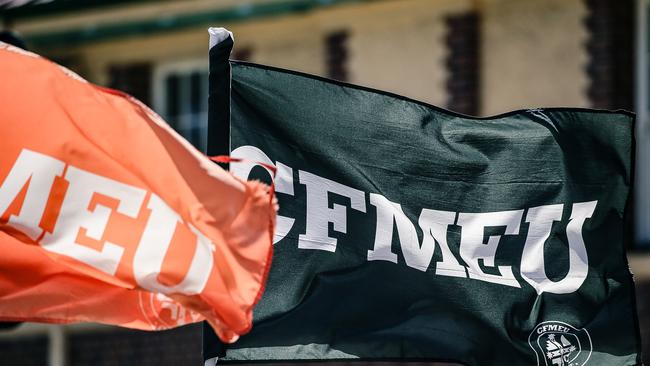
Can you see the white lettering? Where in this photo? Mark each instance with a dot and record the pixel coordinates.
(387, 211)
(39, 170)
(477, 250)
(76, 214)
(319, 214)
(473, 248)
(434, 227)
(283, 181)
(532, 262)
(155, 241)
(434, 224)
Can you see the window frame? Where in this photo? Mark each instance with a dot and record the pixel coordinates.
(159, 91)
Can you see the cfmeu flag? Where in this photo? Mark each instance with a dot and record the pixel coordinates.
(107, 215)
(408, 232)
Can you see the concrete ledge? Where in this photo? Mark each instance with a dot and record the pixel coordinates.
(40, 329)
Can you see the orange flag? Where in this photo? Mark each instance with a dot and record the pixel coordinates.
(107, 215)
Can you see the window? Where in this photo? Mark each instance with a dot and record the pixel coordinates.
(181, 97)
(133, 79)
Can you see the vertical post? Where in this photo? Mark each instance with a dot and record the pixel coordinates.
(56, 351)
(221, 44)
(642, 204)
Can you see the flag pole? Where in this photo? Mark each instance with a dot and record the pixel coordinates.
(221, 44)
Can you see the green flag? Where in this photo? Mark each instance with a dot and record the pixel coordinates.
(408, 232)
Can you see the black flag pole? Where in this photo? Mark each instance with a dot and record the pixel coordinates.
(221, 44)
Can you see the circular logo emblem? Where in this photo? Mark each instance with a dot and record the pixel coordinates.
(560, 344)
(163, 313)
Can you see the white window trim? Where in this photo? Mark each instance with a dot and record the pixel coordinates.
(162, 70)
(160, 73)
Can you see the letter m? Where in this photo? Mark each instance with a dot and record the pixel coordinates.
(434, 227)
(38, 171)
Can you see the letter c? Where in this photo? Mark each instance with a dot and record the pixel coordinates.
(283, 180)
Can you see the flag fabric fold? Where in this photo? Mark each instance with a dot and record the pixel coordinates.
(408, 232)
(108, 215)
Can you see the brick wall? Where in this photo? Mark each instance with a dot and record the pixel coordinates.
(336, 53)
(611, 53)
(463, 63)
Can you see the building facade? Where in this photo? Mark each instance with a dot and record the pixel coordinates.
(477, 57)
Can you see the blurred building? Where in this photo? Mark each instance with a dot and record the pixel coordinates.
(478, 57)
